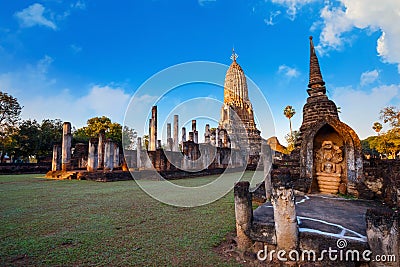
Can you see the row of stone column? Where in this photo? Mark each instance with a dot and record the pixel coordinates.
(102, 153)
(213, 137)
(107, 159)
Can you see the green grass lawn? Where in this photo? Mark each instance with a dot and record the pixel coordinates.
(52, 222)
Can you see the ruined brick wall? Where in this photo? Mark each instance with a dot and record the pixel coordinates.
(382, 181)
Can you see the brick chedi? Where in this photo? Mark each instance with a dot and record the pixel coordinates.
(329, 150)
(237, 117)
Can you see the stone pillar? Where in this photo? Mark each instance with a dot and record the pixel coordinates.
(108, 155)
(243, 214)
(153, 135)
(193, 125)
(383, 236)
(56, 162)
(183, 135)
(66, 147)
(283, 202)
(196, 137)
(116, 155)
(149, 145)
(102, 139)
(170, 141)
(267, 163)
(159, 146)
(207, 134)
(93, 155)
(139, 153)
(176, 133)
(191, 136)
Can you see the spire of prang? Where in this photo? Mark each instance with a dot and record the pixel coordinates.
(316, 83)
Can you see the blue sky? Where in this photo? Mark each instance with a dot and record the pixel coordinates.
(78, 59)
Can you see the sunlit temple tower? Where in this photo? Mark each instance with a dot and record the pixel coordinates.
(237, 117)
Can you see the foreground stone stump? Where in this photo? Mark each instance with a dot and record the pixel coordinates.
(283, 202)
(243, 214)
(66, 147)
(383, 236)
(56, 162)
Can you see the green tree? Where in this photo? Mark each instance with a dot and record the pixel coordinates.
(26, 140)
(50, 133)
(93, 128)
(377, 127)
(291, 141)
(10, 111)
(391, 115)
(129, 140)
(289, 112)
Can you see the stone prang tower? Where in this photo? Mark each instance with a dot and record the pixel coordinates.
(237, 118)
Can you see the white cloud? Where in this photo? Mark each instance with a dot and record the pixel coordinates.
(272, 16)
(75, 48)
(43, 98)
(369, 77)
(292, 6)
(288, 71)
(205, 2)
(79, 5)
(370, 15)
(335, 23)
(360, 109)
(34, 16)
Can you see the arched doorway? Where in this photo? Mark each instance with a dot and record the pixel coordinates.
(329, 168)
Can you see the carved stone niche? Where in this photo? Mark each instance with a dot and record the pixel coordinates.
(328, 167)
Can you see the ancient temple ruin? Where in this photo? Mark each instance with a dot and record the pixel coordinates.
(303, 213)
(329, 150)
(237, 125)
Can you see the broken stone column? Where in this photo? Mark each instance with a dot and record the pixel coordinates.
(267, 163)
(176, 133)
(159, 146)
(243, 215)
(207, 134)
(153, 136)
(196, 137)
(191, 136)
(93, 155)
(170, 141)
(66, 147)
(283, 202)
(139, 153)
(102, 139)
(116, 155)
(383, 236)
(149, 139)
(183, 136)
(108, 155)
(193, 125)
(56, 162)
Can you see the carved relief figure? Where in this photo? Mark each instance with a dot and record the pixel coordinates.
(328, 167)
